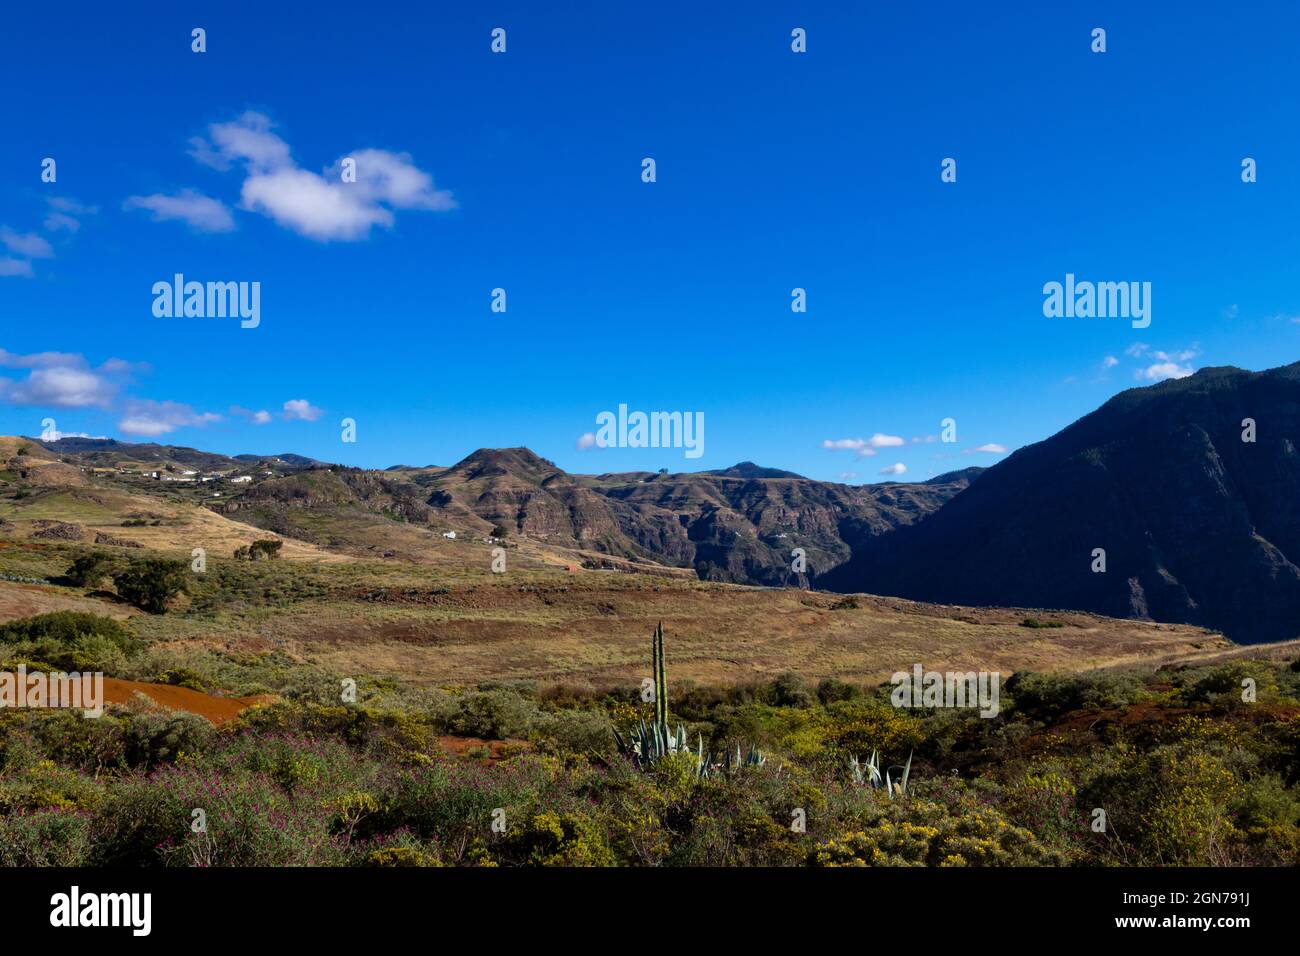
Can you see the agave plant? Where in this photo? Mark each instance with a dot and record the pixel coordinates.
(869, 775)
(710, 766)
(647, 743)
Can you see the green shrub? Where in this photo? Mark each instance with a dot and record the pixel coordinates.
(69, 641)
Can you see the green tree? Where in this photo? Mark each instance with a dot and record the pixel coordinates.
(89, 570)
(150, 584)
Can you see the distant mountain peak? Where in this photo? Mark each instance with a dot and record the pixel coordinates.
(747, 469)
(521, 461)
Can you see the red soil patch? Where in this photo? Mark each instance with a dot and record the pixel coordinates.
(216, 709)
(460, 746)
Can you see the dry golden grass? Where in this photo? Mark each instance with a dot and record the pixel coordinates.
(599, 635)
(183, 526)
(27, 600)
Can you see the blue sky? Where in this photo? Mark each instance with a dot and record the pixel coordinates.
(522, 171)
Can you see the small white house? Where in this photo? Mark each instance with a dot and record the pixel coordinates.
(240, 479)
(449, 534)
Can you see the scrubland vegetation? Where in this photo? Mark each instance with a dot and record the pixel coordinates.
(1184, 770)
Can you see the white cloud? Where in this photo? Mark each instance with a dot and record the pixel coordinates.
(1109, 362)
(393, 179)
(58, 434)
(310, 206)
(62, 380)
(299, 409)
(1231, 312)
(199, 212)
(992, 448)
(1161, 364)
(248, 139)
(320, 207)
(925, 439)
(1164, 370)
(865, 447)
(40, 359)
(848, 475)
(59, 388)
(67, 380)
(28, 245)
(587, 441)
(257, 418)
(15, 267)
(151, 419)
(895, 469)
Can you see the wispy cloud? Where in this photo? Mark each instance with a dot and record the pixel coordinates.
(28, 245)
(67, 380)
(1158, 365)
(149, 419)
(201, 213)
(895, 469)
(991, 448)
(63, 214)
(865, 447)
(257, 418)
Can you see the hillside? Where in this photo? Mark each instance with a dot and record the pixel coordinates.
(1198, 526)
(737, 525)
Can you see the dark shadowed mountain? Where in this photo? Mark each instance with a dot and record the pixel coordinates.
(1198, 526)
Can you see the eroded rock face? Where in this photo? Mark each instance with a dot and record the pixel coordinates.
(736, 525)
(1198, 526)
